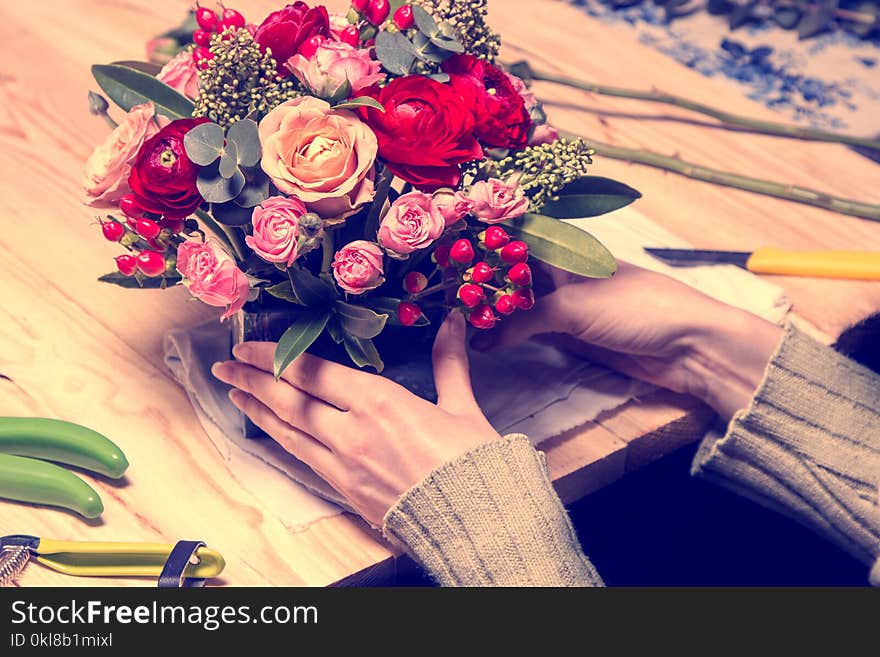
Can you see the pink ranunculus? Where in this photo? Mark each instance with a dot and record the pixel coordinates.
(108, 167)
(322, 156)
(496, 201)
(454, 206)
(543, 134)
(357, 267)
(334, 63)
(413, 222)
(276, 229)
(181, 74)
(212, 276)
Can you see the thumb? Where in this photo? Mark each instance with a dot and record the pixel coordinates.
(548, 316)
(451, 373)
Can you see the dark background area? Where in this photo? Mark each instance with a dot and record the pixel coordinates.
(659, 526)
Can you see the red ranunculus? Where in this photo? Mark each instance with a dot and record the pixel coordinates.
(425, 132)
(500, 115)
(286, 30)
(163, 179)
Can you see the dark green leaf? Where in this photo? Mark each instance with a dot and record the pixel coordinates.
(144, 67)
(359, 321)
(204, 143)
(361, 101)
(388, 306)
(305, 329)
(814, 23)
(139, 282)
(229, 162)
(363, 353)
(231, 214)
(246, 137)
(590, 196)
(424, 21)
(214, 188)
(564, 246)
(310, 290)
(395, 52)
(786, 17)
(334, 330)
(283, 290)
(128, 87)
(255, 190)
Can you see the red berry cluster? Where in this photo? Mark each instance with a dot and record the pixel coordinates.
(211, 23)
(376, 12)
(149, 241)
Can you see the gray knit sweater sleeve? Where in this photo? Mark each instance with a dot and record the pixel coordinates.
(491, 518)
(809, 446)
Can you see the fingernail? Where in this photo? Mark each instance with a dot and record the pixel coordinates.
(237, 397)
(483, 341)
(220, 369)
(241, 351)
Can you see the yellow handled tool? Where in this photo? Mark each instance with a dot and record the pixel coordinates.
(859, 265)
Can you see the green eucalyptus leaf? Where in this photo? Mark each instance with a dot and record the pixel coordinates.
(246, 137)
(204, 143)
(137, 282)
(361, 101)
(359, 321)
(395, 51)
(363, 353)
(310, 290)
(255, 190)
(564, 246)
(284, 291)
(388, 306)
(231, 214)
(442, 78)
(424, 21)
(434, 54)
(229, 161)
(128, 87)
(590, 196)
(214, 188)
(308, 325)
(450, 45)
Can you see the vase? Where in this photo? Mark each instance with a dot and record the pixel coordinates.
(406, 351)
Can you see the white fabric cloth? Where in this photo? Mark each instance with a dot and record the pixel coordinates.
(538, 390)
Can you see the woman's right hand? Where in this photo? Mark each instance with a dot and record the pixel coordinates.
(650, 327)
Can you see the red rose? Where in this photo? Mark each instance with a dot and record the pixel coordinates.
(163, 179)
(286, 30)
(425, 132)
(500, 115)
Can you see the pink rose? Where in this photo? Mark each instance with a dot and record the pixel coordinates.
(454, 206)
(334, 63)
(413, 222)
(212, 276)
(543, 134)
(181, 74)
(322, 156)
(357, 267)
(276, 229)
(108, 167)
(496, 201)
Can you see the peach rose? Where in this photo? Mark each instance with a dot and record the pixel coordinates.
(454, 206)
(332, 66)
(108, 167)
(181, 74)
(276, 229)
(496, 201)
(413, 222)
(322, 156)
(357, 267)
(212, 276)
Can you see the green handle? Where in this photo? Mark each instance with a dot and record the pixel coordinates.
(30, 480)
(63, 442)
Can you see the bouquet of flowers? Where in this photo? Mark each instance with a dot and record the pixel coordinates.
(366, 169)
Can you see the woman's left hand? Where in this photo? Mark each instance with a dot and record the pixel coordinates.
(370, 438)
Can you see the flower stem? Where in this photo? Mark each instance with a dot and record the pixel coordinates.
(328, 246)
(757, 185)
(381, 195)
(761, 126)
(439, 287)
(217, 230)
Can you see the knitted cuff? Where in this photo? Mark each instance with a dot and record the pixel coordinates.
(491, 518)
(808, 445)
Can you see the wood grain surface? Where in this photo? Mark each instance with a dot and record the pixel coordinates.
(89, 353)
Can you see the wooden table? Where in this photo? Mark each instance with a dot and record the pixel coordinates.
(89, 353)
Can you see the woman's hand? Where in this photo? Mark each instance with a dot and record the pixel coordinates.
(653, 328)
(371, 439)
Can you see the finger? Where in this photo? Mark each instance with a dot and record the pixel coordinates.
(295, 407)
(300, 444)
(332, 382)
(451, 373)
(552, 314)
